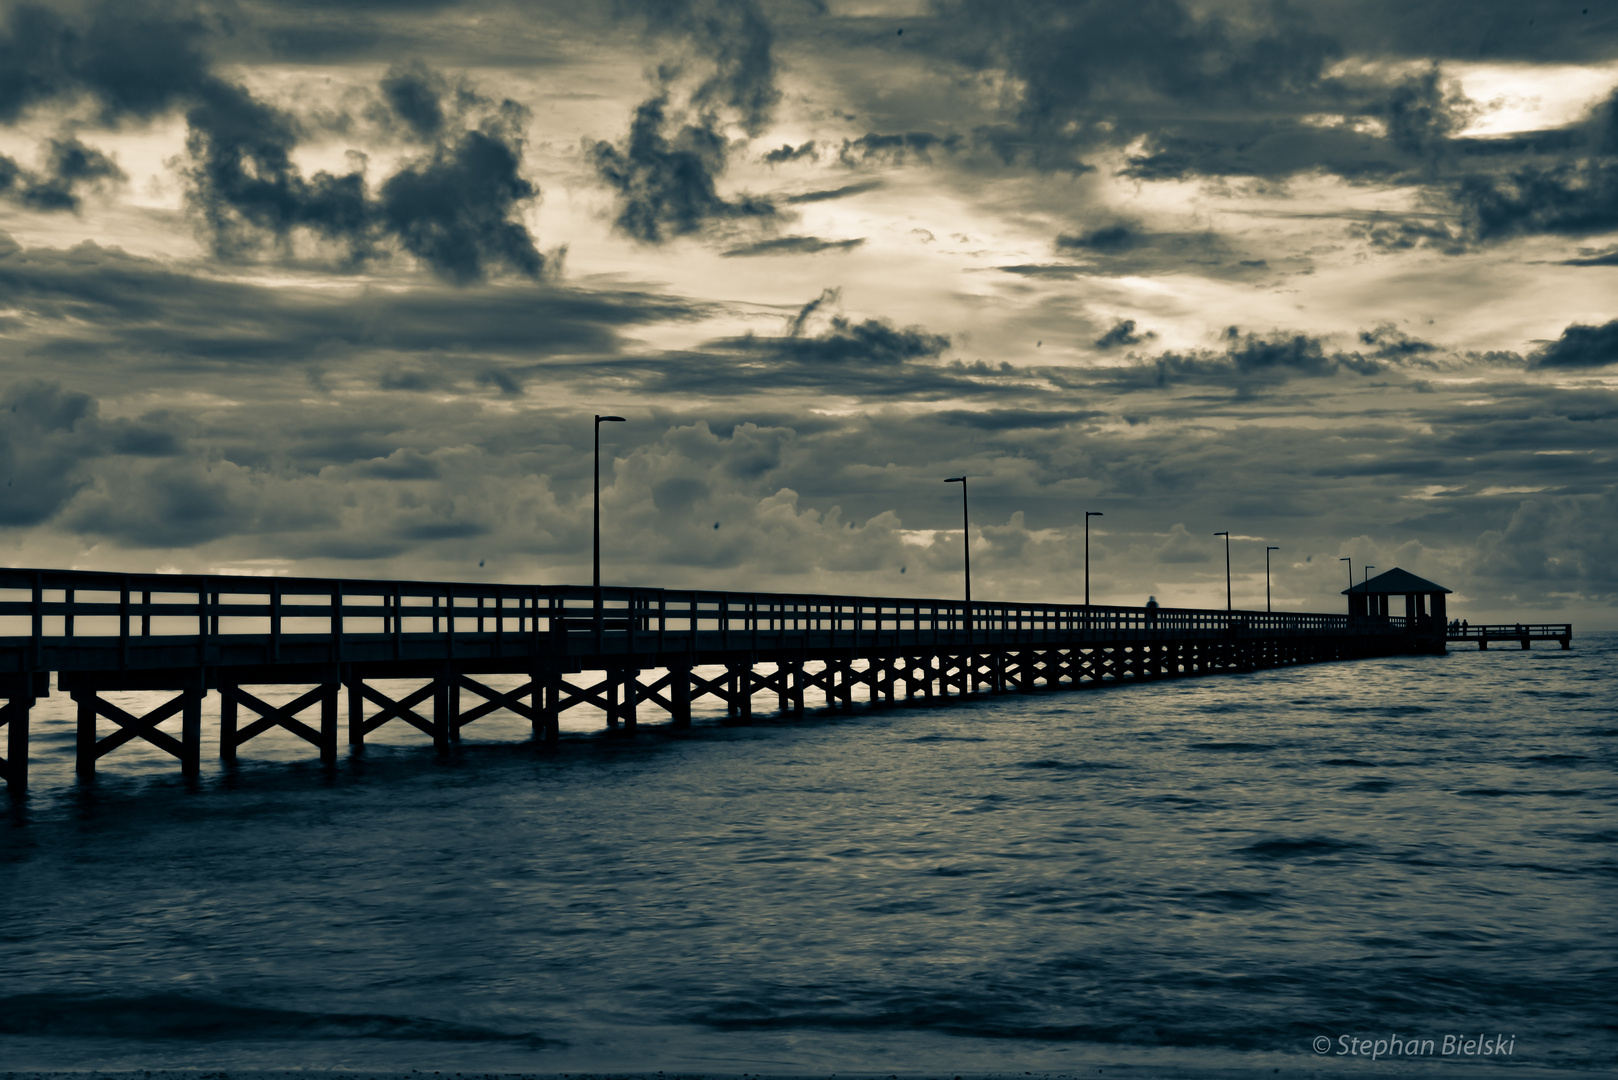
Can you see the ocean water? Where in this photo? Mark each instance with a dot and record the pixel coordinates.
(1206, 872)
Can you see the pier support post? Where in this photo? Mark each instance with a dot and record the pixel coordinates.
(85, 751)
(328, 724)
(14, 715)
(356, 711)
(227, 728)
(630, 680)
(441, 717)
(680, 696)
(551, 716)
(191, 730)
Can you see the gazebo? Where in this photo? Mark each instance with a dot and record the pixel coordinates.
(1424, 600)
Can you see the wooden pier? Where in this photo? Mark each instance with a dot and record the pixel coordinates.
(192, 635)
(1524, 633)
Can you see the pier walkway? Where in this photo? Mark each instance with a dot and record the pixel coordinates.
(191, 635)
(1519, 632)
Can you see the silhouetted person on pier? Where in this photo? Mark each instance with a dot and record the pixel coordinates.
(1151, 612)
(1463, 627)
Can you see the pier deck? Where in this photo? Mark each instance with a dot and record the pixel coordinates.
(192, 635)
(1525, 633)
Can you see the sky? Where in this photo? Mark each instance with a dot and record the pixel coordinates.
(300, 288)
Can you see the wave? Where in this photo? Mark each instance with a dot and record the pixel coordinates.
(176, 1016)
(1299, 848)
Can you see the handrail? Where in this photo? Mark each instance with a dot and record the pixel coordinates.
(61, 610)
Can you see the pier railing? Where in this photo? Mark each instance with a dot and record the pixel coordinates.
(76, 620)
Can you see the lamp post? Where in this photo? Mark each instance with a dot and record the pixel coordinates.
(1088, 514)
(966, 548)
(1226, 535)
(1366, 570)
(597, 578)
(1350, 563)
(1267, 577)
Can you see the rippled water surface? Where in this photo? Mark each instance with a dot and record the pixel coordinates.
(1209, 870)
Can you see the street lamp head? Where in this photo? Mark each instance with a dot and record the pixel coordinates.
(1272, 549)
(620, 419)
(954, 479)
(1225, 534)
(1094, 513)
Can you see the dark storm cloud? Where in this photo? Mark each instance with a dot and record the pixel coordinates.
(1390, 233)
(1528, 30)
(1425, 111)
(1569, 199)
(667, 184)
(1391, 343)
(735, 39)
(1101, 73)
(49, 437)
(792, 153)
(245, 186)
(1581, 347)
(1595, 258)
(1124, 249)
(70, 167)
(87, 303)
(897, 149)
(1108, 239)
(871, 359)
(667, 169)
(455, 209)
(1249, 362)
(794, 245)
(136, 60)
(834, 193)
(415, 94)
(1123, 333)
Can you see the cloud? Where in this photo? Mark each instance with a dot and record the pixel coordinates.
(666, 171)
(1108, 239)
(793, 245)
(1424, 111)
(835, 193)
(734, 39)
(1394, 344)
(667, 184)
(1551, 547)
(1123, 333)
(414, 93)
(1568, 199)
(1590, 257)
(1182, 547)
(792, 153)
(897, 149)
(47, 435)
(1581, 347)
(456, 209)
(1249, 362)
(111, 316)
(70, 166)
(136, 60)
(1393, 234)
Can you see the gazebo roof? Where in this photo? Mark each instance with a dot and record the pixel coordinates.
(1395, 582)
